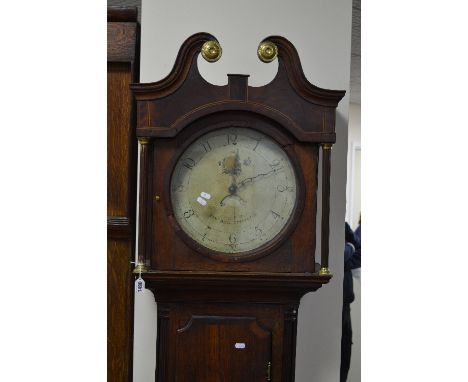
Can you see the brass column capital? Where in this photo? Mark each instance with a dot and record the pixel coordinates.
(143, 140)
(327, 146)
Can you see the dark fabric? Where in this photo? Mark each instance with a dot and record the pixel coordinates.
(357, 234)
(346, 342)
(352, 260)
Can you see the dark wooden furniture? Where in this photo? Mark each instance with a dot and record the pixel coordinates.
(122, 69)
(231, 318)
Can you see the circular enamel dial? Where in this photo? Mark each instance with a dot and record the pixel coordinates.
(233, 190)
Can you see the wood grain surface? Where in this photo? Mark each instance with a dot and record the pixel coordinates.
(132, 4)
(121, 41)
(119, 310)
(118, 131)
(122, 67)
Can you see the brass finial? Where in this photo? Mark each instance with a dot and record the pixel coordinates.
(324, 271)
(267, 51)
(211, 51)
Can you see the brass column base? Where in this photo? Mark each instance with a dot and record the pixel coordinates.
(140, 268)
(324, 271)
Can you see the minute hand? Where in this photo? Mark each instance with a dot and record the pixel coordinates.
(251, 179)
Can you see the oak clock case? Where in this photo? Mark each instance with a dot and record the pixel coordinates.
(123, 33)
(228, 212)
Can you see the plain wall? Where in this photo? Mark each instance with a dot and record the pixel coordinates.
(353, 188)
(321, 32)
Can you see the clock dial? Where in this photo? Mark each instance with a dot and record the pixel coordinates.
(233, 190)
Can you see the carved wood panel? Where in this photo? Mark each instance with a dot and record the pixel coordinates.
(222, 348)
(216, 342)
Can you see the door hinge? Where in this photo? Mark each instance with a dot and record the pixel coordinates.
(268, 378)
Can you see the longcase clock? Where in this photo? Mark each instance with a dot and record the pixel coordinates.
(227, 217)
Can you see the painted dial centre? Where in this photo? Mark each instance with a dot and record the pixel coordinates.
(233, 190)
